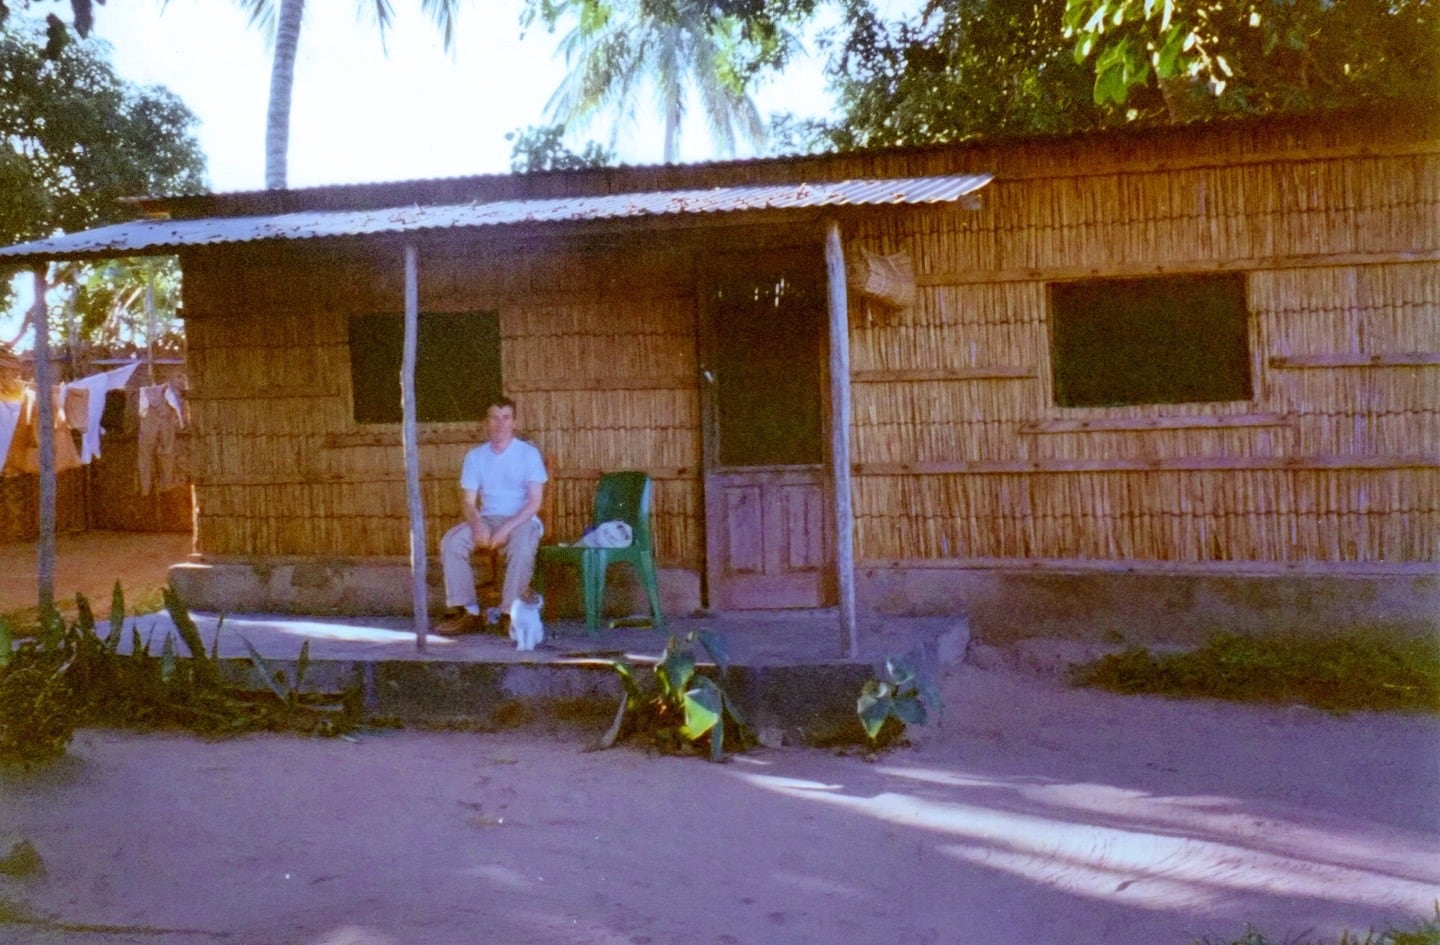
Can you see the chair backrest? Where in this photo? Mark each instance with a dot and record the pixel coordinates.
(625, 496)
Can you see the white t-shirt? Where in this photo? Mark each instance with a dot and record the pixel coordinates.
(502, 479)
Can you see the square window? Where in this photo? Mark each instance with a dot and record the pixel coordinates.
(1168, 340)
(457, 366)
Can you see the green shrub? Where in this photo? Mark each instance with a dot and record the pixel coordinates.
(1424, 932)
(676, 708)
(901, 698)
(1340, 674)
(66, 676)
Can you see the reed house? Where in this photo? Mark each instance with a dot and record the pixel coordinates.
(1151, 382)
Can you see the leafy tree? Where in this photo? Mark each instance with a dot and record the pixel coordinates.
(1259, 55)
(675, 47)
(542, 148)
(954, 70)
(57, 37)
(970, 67)
(74, 138)
(280, 20)
(123, 303)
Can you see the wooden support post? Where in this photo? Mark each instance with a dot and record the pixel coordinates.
(840, 437)
(410, 440)
(45, 421)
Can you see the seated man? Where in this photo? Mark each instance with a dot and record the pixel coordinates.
(501, 484)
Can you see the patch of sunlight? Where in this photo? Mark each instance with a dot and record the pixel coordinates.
(341, 632)
(948, 778)
(1148, 891)
(349, 633)
(1167, 869)
(1222, 818)
(798, 786)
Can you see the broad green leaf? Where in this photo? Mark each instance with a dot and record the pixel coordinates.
(1167, 61)
(84, 618)
(6, 644)
(909, 711)
(901, 671)
(731, 708)
(117, 607)
(271, 680)
(702, 710)
(167, 658)
(873, 713)
(717, 742)
(716, 647)
(676, 670)
(302, 664)
(117, 619)
(626, 672)
(1075, 11)
(190, 635)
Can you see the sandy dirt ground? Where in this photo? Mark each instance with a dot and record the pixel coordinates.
(90, 563)
(1033, 814)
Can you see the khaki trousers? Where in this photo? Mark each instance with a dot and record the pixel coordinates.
(519, 553)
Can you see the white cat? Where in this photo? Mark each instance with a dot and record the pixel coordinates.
(525, 627)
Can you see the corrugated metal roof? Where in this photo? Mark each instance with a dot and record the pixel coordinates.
(142, 237)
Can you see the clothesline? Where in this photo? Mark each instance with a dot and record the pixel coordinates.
(80, 406)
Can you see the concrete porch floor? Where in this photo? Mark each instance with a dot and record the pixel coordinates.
(789, 673)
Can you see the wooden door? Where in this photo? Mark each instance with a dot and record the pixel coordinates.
(769, 522)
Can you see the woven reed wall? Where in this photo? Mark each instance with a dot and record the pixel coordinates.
(20, 502)
(598, 353)
(961, 452)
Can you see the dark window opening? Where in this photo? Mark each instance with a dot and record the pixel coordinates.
(769, 324)
(457, 366)
(1170, 340)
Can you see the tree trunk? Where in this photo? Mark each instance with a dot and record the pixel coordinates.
(672, 131)
(282, 84)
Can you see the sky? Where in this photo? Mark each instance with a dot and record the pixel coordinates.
(362, 113)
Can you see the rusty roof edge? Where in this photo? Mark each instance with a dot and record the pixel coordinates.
(138, 237)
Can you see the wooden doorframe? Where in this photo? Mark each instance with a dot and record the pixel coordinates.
(712, 470)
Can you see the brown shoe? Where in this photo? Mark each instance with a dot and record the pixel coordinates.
(459, 623)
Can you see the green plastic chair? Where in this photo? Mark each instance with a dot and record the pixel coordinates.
(625, 496)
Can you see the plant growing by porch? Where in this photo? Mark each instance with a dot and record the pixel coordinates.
(676, 708)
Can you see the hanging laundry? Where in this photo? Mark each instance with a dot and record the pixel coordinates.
(24, 454)
(160, 418)
(12, 394)
(98, 385)
(9, 420)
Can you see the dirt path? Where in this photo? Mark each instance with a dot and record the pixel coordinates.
(90, 563)
(1035, 813)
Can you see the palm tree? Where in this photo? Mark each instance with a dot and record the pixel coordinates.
(280, 19)
(615, 47)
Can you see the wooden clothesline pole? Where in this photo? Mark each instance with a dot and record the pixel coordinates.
(45, 419)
